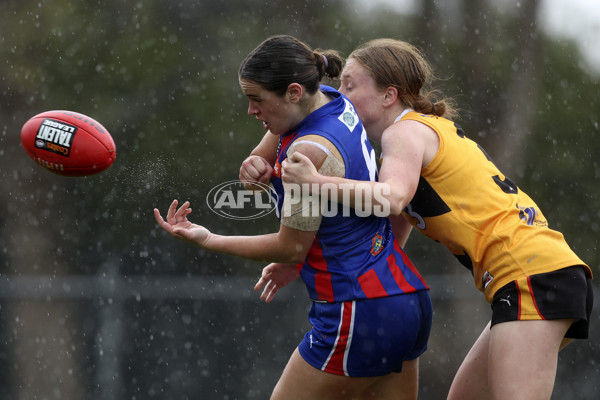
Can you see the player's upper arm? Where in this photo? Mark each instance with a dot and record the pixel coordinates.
(301, 210)
(323, 154)
(406, 148)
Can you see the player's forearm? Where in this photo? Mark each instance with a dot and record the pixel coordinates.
(377, 198)
(267, 148)
(401, 229)
(264, 248)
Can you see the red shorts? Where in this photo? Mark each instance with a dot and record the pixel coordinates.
(563, 294)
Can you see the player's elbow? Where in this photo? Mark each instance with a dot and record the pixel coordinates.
(294, 253)
(396, 208)
(398, 200)
(394, 203)
(387, 200)
(297, 256)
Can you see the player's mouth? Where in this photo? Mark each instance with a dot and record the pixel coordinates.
(264, 124)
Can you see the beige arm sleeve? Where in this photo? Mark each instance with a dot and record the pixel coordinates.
(302, 210)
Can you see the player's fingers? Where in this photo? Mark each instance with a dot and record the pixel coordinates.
(184, 215)
(244, 175)
(161, 222)
(252, 168)
(172, 209)
(183, 209)
(158, 217)
(258, 164)
(267, 175)
(298, 157)
(261, 282)
(266, 290)
(271, 295)
(251, 174)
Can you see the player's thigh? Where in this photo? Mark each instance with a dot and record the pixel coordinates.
(471, 379)
(523, 357)
(396, 386)
(300, 380)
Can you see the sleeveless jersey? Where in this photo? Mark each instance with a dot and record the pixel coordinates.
(351, 257)
(480, 215)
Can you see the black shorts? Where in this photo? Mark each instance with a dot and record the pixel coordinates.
(562, 294)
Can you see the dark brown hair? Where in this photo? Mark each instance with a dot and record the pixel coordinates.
(281, 60)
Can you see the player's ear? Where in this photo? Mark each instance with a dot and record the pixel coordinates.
(294, 92)
(390, 95)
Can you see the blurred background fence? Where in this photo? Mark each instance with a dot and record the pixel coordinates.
(109, 337)
(97, 303)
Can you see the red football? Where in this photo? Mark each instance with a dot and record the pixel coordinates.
(68, 143)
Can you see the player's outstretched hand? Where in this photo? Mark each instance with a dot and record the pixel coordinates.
(298, 169)
(255, 169)
(180, 227)
(274, 277)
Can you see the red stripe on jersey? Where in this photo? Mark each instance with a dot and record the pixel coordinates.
(533, 298)
(409, 264)
(323, 284)
(399, 276)
(284, 142)
(519, 292)
(371, 285)
(336, 362)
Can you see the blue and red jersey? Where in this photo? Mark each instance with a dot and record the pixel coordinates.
(352, 257)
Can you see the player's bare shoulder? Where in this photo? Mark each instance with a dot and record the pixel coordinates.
(412, 136)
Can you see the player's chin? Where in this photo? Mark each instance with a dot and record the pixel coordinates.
(276, 130)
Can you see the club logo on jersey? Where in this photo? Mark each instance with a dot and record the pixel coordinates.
(377, 245)
(277, 169)
(349, 117)
(55, 136)
(487, 279)
(233, 201)
(530, 216)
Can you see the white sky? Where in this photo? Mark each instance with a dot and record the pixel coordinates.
(573, 19)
